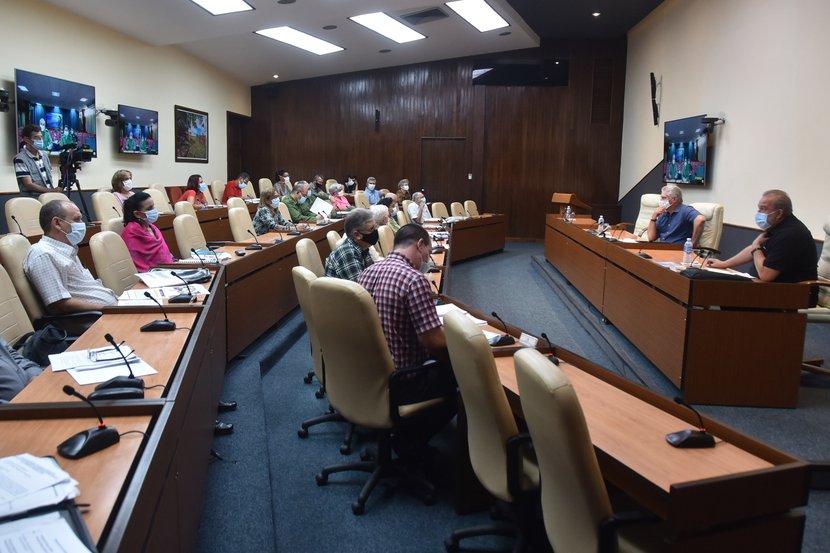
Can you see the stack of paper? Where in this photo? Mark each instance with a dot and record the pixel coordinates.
(28, 482)
(446, 308)
(90, 366)
(40, 534)
(137, 297)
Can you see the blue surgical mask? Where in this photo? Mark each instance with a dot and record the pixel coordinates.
(370, 186)
(38, 144)
(242, 185)
(202, 187)
(302, 199)
(76, 235)
(761, 220)
(275, 203)
(152, 215)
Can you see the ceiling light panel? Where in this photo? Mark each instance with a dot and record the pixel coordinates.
(390, 28)
(221, 7)
(479, 14)
(300, 39)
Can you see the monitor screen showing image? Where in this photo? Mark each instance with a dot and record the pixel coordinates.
(684, 151)
(137, 131)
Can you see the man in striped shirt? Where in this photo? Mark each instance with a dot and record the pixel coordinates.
(31, 166)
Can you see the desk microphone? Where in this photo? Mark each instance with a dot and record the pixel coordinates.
(437, 291)
(551, 356)
(119, 387)
(199, 257)
(91, 440)
(691, 439)
(19, 228)
(116, 211)
(279, 233)
(158, 325)
(256, 246)
(294, 232)
(642, 254)
(504, 340)
(181, 298)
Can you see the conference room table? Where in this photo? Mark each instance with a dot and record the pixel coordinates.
(705, 336)
(473, 236)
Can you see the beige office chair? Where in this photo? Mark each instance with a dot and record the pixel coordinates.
(386, 240)
(361, 381)
(105, 205)
(112, 261)
(217, 189)
(47, 197)
(333, 237)
(237, 202)
(113, 224)
(439, 209)
(648, 205)
(158, 186)
(575, 504)
(241, 226)
(403, 217)
(249, 192)
(26, 211)
(265, 184)
(457, 210)
(499, 456)
(405, 209)
(14, 322)
(188, 234)
(283, 209)
(471, 208)
(713, 227)
(360, 199)
(821, 312)
(160, 200)
(185, 207)
(308, 256)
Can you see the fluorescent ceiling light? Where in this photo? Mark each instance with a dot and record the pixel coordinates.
(479, 72)
(300, 40)
(221, 7)
(479, 14)
(388, 27)
(23, 88)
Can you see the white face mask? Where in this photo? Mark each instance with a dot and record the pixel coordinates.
(370, 186)
(664, 204)
(128, 184)
(405, 187)
(341, 193)
(394, 211)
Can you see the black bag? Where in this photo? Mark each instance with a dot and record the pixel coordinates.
(47, 341)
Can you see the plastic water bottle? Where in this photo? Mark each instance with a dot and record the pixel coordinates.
(601, 224)
(687, 252)
(568, 214)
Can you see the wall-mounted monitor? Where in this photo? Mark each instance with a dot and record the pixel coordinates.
(138, 130)
(684, 151)
(65, 111)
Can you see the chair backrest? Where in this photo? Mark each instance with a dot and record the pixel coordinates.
(824, 267)
(405, 209)
(360, 199)
(188, 234)
(308, 256)
(113, 224)
(160, 200)
(332, 237)
(403, 217)
(471, 208)
(713, 227)
(386, 240)
(237, 202)
(240, 221)
(217, 189)
(574, 498)
(182, 208)
(13, 251)
(648, 205)
(303, 278)
(247, 192)
(112, 261)
(47, 197)
(457, 210)
(283, 209)
(105, 205)
(439, 209)
(490, 422)
(158, 186)
(26, 211)
(265, 184)
(357, 368)
(14, 322)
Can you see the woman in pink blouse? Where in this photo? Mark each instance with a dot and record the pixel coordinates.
(122, 185)
(144, 240)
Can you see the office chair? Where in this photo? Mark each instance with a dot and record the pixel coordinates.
(160, 200)
(240, 222)
(362, 383)
(217, 189)
(471, 208)
(265, 184)
(26, 211)
(403, 217)
(439, 209)
(114, 224)
(15, 322)
(360, 200)
(386, 240)
(105, 205)
(248, 192)
(457, 210)
(332, 237)
(47, 197)
(237, 202)
(308, 256)
(112, 261)
(405, 209)
(283, 209)
(188, 234)
(184, 207)
(499, 454)
(648, 205)
(713, 227)
(820, 313)
(575, 503)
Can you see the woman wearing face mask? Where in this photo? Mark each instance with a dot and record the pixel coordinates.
(350, 184)
(268, 216)
(144, 240)
(338, 198)
(282, 182)
(122, 185)
(195, 193)
(403, 190)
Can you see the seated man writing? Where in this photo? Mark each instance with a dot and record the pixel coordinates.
(353, 255)
(673, 221)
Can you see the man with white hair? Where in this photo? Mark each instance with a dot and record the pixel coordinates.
(673, 221)
(418, 210)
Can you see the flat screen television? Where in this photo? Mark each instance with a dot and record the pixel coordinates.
(65, 111)
(138, 130)
(684, 151)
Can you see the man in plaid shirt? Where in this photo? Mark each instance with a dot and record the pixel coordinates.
(352, 255)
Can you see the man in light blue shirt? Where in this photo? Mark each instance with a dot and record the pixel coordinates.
(372, 194)
(673, 222)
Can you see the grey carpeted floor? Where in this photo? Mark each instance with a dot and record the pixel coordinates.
(262, 497)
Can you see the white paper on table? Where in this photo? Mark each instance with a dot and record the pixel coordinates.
(446, 308)
(627, 240)
(475, 320)
(42, 534)
(490, 335)
(156, 279)
(163, 293)
(83, 359)
(28, 482)
(321, 206)
(94, 376)
(726, 272)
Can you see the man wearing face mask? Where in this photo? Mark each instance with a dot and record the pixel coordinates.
(352, 256)
(784, 252)
(234, 188)
(299, 203)
(31, 166)
(372, 194)
(391, 202)
(673, 222)
(418, 210)
(318, 189)
(53, 267)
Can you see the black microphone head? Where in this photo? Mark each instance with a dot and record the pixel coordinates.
(173, 273)
(494, 314)
(108, 338)
(14, 218)
(147, 294)
(249, 232)
(69, 390)
(678, 399)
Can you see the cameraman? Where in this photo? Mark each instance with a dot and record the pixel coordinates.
(31, 166)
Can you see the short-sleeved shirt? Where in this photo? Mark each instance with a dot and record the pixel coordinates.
(373, 196)
(404, 301)
(675, 227)
(791, 251)
(413, 213)
(57, 274)
(347, 261)
(38, 169)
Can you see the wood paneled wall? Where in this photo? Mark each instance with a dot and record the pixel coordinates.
(521, 143)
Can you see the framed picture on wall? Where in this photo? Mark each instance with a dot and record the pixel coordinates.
(191, 140)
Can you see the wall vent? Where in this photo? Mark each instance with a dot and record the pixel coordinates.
(424, 16)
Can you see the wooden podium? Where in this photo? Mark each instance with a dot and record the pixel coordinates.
(561, 200)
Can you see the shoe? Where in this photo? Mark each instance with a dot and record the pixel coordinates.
(225, 406)
(222, 428)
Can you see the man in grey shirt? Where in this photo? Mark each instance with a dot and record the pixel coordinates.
(15, 371)
(31, 166)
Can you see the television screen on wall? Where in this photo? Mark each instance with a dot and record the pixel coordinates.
(684, 151)
(138, 131)
(64, 110)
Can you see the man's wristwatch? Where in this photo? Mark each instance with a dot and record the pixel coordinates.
(752, 252)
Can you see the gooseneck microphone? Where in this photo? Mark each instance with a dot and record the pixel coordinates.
(158, 325)
(181, 298)
(691, 439)
(256, 246)
(19, 228)
(116, 211)
(91, 440)
(504, 340)
(551, 356)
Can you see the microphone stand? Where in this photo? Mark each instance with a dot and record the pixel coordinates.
(691, 439)
(158, 325)
(551, 356)
(19, 228)
(92, 440)
(180, 298)
(504, 340)
(256, 246)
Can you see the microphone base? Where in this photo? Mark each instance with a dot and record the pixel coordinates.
(121, 382)
(159, 326)
(503, 340)
(278, 240)
(88, 442)
(254, 247)
(644, 255)
(293, 233)
(691, 439)
(110, 394)
(181, 298)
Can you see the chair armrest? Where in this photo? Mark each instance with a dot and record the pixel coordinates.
(816, 282)
(515, 446)
(416, 385)
(609, 527)
(74, 324)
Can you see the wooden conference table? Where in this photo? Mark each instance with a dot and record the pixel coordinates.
(477, 236)
(721, 342)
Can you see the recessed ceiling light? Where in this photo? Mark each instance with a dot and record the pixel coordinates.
(479, 14)
(388, 27)
(330, 27)
(596, 14)
(300, 39)
(221, 7)
(276, 76)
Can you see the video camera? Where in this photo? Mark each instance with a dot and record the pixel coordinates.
(71, 158)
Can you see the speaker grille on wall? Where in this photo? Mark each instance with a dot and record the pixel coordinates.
(601, 93)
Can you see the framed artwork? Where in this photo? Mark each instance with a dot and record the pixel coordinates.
(191, 140)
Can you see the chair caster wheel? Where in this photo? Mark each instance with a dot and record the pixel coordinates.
(319, 394)
(345, 449)
(321, 479)
(450, 545)
(307, 379)
(358, 509)
(302, 433)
